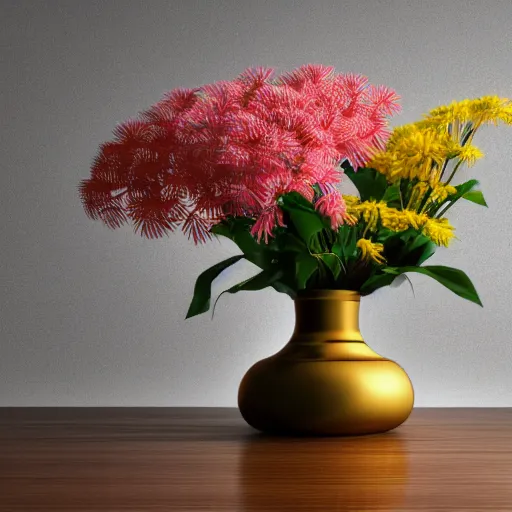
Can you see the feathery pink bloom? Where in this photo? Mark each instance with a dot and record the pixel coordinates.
(332, 205)
(268, 219)
(232, 147)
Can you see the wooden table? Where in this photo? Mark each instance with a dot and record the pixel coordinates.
(174, 460)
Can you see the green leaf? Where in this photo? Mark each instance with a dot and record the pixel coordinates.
(406, 248)
(285, 261)
(345, 244)
(427, 250)
(463, 190)
(420, 250)
(318, 191)
(282, 287)
(287, 242)
(238, 230)
(370, 183)
(392, 194)
(375, 282)
(306, 220)
(202, 289)
(278, 253)
(400, 279)
(384, 234)
(305, 267)
(332, 262)
(297, 201)
(258, 282)
(454, 279)
(475, 196)
(466, 187)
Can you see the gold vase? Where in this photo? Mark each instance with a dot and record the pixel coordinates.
(326, 380)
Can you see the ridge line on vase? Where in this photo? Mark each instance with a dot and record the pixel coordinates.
(326, 380)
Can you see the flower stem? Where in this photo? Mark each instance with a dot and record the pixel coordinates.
(453, 172)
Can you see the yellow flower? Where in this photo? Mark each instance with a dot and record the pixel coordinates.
(417, 194)
(414, 151)
(420, 150)
(448, 114)
(440, 193)
(469, 154)
(351, 200)
(352, 213)
(376, 215)
(393, 219)
(371, 251)
(416, 220)
(478, 111)
(400, 220)
(490, 109)
(369, 211)
(440, 231)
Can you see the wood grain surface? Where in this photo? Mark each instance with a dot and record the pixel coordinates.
(159, 459)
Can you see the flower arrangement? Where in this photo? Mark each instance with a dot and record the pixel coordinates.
(259, 159)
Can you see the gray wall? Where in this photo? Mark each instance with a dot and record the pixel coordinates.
(91, 316)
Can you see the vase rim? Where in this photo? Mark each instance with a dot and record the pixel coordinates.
(351, 295)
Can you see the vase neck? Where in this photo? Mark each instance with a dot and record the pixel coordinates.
(332, 314)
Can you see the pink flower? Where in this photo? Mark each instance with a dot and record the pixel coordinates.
(232, 147)
(267, 221)
(332, 205)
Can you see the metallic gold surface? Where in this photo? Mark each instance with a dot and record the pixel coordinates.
(326, 380)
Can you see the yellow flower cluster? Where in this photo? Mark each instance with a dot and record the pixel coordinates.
(420, 150)
(351, 212)
(469, 154)
(487, 109)
(418, 192)
(371, 251)
(438, 194)
(440, 231)
(420, 153)
(441, 192)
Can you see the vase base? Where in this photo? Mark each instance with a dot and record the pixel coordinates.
(325, 398)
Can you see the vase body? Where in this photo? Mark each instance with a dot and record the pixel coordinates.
(326, 380)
